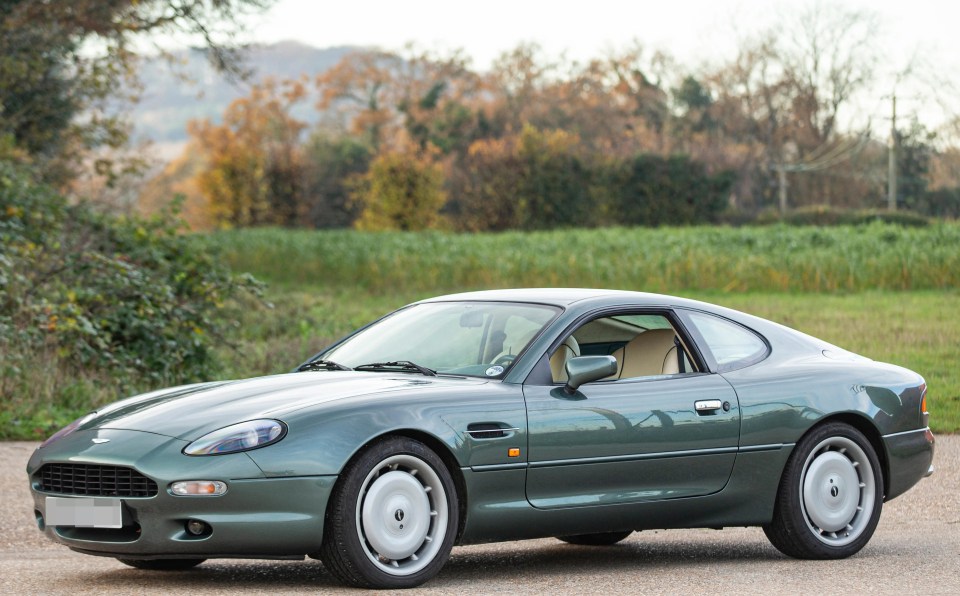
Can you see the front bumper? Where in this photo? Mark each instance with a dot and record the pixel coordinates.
(909, 459)
(256, 517)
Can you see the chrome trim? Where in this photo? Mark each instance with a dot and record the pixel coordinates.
(482, 431)
(907, 432)
(498, 467)
(708, 405)
(929, 472)
(633, 457)
(770, 447)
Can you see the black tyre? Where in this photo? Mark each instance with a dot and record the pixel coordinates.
(830, 496)
(392, 517)
(600, 539)
(162, 564)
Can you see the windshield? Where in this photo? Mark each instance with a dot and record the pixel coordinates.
(466, 338)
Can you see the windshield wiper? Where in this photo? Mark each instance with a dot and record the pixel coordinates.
(402, 364)
(322, 365)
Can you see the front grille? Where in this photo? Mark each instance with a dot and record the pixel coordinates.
(95, 481)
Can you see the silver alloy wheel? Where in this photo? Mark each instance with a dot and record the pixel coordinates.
(837, 491)
(402, 514)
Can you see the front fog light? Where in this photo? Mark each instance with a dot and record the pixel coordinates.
(195, 527)
(211, 488)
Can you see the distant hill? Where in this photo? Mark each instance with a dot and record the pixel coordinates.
(191, 88)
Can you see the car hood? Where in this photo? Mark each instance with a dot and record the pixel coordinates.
(191, 411)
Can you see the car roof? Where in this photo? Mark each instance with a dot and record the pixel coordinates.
(567, 296)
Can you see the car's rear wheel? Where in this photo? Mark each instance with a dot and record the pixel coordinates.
(599, 539)
(162, 564)
(392, 517)
(830, 496)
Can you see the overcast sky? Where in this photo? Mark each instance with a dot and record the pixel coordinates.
(690, 29)
(693, 31)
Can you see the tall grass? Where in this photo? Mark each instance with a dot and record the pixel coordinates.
(779, 258)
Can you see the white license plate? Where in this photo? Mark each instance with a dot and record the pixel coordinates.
(84, 512)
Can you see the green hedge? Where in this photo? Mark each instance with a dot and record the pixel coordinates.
(96, 305)
(828, 216)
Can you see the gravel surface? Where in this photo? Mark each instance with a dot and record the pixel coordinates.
(916, 550)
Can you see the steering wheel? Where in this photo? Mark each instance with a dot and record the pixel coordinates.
(505, 360)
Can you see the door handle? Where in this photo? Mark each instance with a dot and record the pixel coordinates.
(708, 405)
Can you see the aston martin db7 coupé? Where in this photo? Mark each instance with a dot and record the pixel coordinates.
(496, 416)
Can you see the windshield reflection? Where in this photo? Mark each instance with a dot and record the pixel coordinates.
(480, 339)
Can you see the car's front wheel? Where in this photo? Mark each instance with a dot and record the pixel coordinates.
(830, 496)
(392, 517)
(162, 564)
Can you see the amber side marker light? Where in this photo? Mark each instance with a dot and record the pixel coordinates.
(513, 452)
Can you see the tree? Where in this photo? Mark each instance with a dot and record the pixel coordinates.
(613, 105)
(63, 59)
(178, 178)
(361, 89)
(402, 191)
(651, 190)
(555, 187)
(485, 186)
(787, 87)
(534, 180)
(254, 168)
(694, 102)
(333, 164)
(376, 94)
(914, 154)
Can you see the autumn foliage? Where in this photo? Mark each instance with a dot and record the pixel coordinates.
(402, 191)
(421, 141)
(414, 140)
(253, 160)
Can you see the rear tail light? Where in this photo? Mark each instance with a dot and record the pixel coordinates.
(924, 413)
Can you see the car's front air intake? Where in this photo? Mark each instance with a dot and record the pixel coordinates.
(94, 481)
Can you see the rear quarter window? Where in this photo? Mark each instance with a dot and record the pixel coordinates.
(732, 345)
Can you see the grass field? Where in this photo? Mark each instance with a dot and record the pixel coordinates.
(768, 259)
(886, 292)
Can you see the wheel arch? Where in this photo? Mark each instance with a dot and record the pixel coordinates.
(868, 430)
(443, 452)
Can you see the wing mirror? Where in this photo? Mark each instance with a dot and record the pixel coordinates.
(584, 369)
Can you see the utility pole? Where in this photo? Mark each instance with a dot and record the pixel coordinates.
(892, 158)
(782, 179)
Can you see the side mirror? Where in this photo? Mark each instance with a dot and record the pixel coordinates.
(584, 369)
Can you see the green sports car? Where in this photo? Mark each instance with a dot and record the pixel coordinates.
(495, 416)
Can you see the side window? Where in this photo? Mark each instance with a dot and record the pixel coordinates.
(644, 344)
(732, 346)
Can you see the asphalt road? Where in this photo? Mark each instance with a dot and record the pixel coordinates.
(916, 550)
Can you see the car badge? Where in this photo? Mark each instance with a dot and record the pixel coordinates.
(99, 441)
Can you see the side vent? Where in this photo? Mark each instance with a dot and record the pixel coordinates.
(489, 430)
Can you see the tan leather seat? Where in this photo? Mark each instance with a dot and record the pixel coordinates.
(653, 352)
(558, 362)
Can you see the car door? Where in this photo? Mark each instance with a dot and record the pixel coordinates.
(630, 440)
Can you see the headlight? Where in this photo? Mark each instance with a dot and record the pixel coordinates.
(245, 436)
(66, 430)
